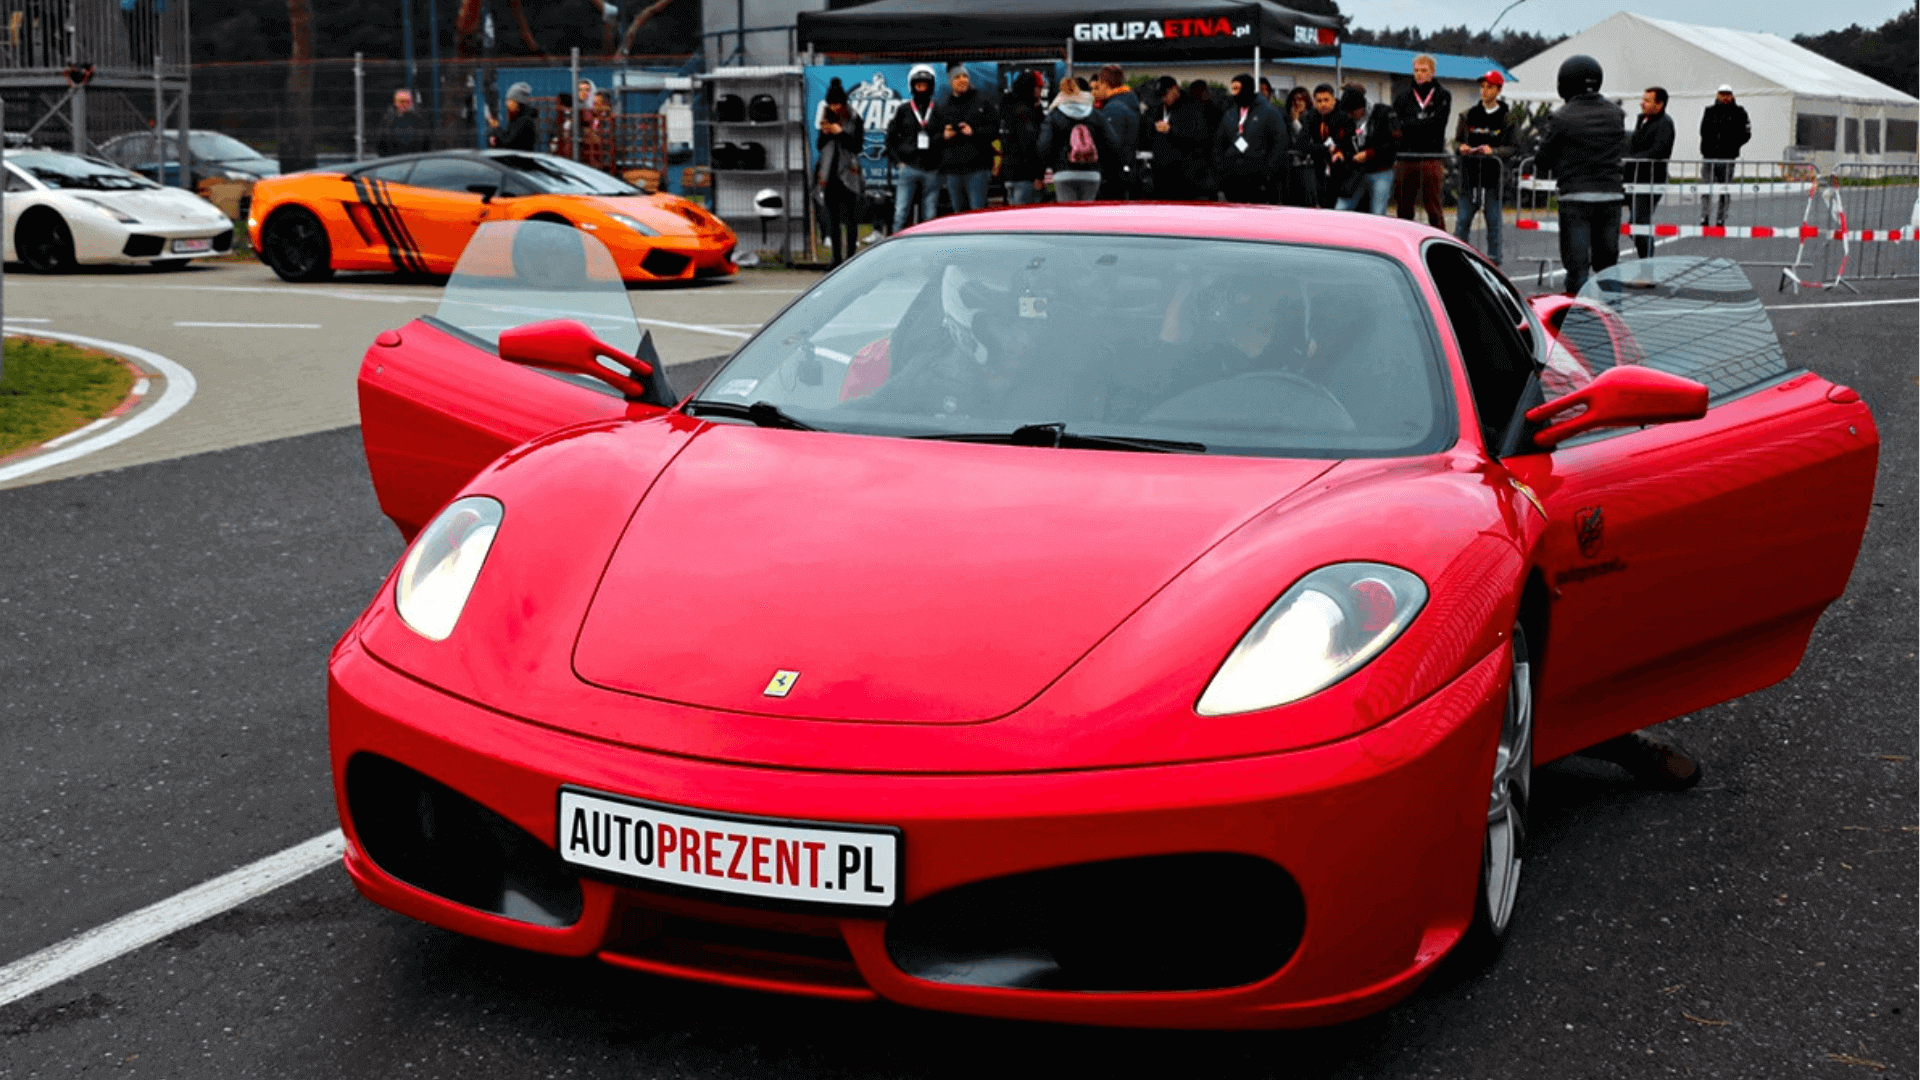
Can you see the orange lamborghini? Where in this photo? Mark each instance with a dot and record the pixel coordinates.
(414, 214)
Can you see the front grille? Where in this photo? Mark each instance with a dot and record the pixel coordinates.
(434, 838)
(662, 263)
(797, 950)
(1165, 922)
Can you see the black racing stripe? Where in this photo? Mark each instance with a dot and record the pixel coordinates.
(398, 243)
(363, 188)
(400, 229)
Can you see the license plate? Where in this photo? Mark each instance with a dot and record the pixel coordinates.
(805, 861)
(182, 247)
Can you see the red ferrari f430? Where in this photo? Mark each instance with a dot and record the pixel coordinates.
(1110, 615)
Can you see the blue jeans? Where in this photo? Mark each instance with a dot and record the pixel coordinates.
(1375, 187)
(1023, 192)
(910, 184)
(1589, 237)
(1484, 201)
(967, 190)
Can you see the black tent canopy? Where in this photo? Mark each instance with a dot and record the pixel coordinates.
(1098, 29)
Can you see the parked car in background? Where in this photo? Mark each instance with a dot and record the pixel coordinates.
(63, 210)
(214, 155)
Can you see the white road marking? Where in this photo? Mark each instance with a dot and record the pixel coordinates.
(1843, 303)
(717, 331)
(79, 431)
(57, 963)
(23, 319)
(252, 325)
(178, 390)
(285, 290)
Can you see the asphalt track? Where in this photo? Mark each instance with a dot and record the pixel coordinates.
(163, 634)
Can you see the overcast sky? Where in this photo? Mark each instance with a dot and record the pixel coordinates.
(1783, 17)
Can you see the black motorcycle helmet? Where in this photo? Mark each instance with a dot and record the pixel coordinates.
(1579, 75)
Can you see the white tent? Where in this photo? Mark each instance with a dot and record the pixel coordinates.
(1803, 106)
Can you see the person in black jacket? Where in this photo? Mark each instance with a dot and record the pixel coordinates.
(1367, 143)
(519, 132)
(1724, 129)
(1423, 110)
(1250, 148)
(1020, 121)
(1120, 107)
(838, 176)
(968, 124)
(1585, 141)
(1647, 154)
(1331, 178)
(402, 131)
(1077, 163)
(914, 142)
(1179, 140)
(1300, 182)
(1484, 140)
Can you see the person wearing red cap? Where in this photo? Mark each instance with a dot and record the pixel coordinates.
(1484, 140)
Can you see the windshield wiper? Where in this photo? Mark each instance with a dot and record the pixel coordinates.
(760, 413)
(1057, 436)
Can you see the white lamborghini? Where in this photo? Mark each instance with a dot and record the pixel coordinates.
(64, 210)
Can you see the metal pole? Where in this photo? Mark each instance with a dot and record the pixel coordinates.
(573, 87)
(3, 217)
(433, 51)
(406, 39)
(1069, 59)
(359, 106)
(183, 123)
(159, 125)
(1256, 69)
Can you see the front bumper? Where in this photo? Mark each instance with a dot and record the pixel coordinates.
(145, 243)
(1382, 832)
(674, 258)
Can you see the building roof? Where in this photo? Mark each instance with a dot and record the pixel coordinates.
(1637, 50)
(1373, 58)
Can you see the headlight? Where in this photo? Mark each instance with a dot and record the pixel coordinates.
(120, 216)
(1320, 631)
(635, 224)
(440, 569)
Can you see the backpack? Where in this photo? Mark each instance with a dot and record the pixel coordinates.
(1080, 147)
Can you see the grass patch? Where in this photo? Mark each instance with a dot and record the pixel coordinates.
(49, 388)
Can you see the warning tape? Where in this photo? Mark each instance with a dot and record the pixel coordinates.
(1748, 232)
(1768, 187)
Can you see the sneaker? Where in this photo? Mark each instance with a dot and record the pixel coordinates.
(1654, 764)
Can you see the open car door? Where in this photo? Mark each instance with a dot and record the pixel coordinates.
(437, 403)
(1688, 562)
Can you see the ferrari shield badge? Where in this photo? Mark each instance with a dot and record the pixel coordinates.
(781, 683)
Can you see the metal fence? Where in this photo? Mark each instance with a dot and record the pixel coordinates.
(1870, 213)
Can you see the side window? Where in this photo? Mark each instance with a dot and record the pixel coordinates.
(453, 174)
(395, 173)
(1493, 331)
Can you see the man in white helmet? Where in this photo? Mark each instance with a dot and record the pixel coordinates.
(916, 142)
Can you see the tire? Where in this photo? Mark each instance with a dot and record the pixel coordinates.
(295, 244)
(44, 243)
(1508, 801)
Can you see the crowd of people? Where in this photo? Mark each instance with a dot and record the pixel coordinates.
(1097, 139)
(1328, 147)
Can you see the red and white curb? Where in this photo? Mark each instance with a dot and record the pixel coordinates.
(177, 387)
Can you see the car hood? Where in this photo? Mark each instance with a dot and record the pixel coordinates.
(670, 215)
(901, 580)
(165, 207)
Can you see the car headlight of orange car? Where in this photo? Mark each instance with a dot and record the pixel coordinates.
(1321, 630)
(443, 564)
(635, 224)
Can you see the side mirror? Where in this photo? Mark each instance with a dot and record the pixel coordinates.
(1621, 397)
(567, 346)
(485, 191)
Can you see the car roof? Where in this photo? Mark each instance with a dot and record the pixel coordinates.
(1226, 221)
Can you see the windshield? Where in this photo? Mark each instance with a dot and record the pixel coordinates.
(1687, 315)
(1243, 348)
(69, 172)
(138, 148)
(558, 176)
(518, 272)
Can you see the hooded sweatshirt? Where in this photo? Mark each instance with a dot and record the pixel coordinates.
(1056, 139)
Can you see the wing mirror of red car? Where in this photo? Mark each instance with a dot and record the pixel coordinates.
(567, 346)
(1627, 396)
